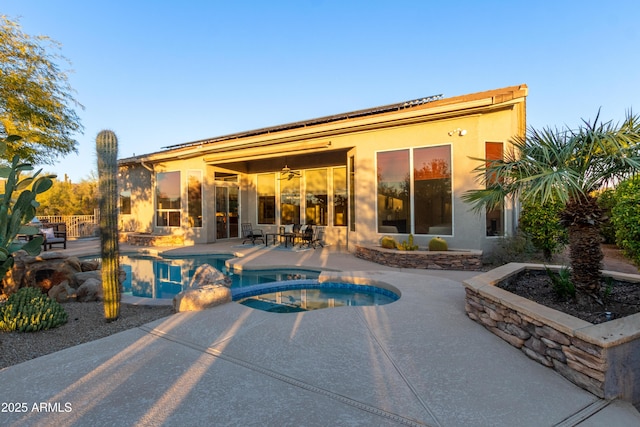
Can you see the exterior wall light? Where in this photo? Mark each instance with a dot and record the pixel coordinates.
(460, 132)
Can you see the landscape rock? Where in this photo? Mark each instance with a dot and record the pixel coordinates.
(89, 265)
(82, 276)
(62, 292)
(208, 288)
(208, 275)
(90, 290)
(201, 298)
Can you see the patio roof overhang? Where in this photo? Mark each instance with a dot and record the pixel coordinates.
(315, 136)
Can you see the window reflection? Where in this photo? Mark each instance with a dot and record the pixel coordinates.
(393, 192)
(432, 190)
(168, 199)
(316, 196)
(266, 198)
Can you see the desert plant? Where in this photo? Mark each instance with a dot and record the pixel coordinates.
(541, 224)
(16, 213)
(407, 245)
(29, 310)
(388, 242)
(567, 166)
(438, 244)
(625, 216)
(107, 150)
(561, 282)
(506, 249)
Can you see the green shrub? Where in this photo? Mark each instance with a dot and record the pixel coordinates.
(508, 249)
(29, 310)
(625, 216)
(541, 224)
(606, 202)
(438, 244)
(407, 245)
(561, 283)
(388, 242)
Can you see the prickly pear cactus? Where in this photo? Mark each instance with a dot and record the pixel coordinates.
(15, 214)
(29, 310)
(107, 150)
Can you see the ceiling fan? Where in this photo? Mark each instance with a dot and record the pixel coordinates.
(287, 173)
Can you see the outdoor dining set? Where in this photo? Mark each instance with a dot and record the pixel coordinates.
(291, 234)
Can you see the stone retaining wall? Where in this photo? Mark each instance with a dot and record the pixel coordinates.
(603, 359)
(145, 239)
(439, 260)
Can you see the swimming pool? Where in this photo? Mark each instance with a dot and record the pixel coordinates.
(164, 277)
(306, 295)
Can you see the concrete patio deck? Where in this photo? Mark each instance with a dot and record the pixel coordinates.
(418, 361)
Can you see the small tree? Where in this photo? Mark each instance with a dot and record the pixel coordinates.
(541, 224)
(567, 166)
(625, 216)
(36, 100)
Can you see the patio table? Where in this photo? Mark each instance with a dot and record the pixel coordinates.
(286, 237)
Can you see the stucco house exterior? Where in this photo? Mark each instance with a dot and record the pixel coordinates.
(392, 170)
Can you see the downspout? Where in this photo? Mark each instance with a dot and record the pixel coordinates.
(149, 168)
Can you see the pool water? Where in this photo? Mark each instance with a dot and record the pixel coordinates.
(156, 277)
(306, 295)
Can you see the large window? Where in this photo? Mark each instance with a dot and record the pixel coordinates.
(125, 202)
(194, 198)
(267, 198)
(316, 196)
(352, 194)
(290, 200)
(494, 217)
(168, 199)
(340, 206)
(313, 196)
(429, 211)
(394, 213)
(432, 190)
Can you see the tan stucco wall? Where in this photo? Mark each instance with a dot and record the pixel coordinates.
(364, 137)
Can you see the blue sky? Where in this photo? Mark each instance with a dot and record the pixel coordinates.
(166, 72)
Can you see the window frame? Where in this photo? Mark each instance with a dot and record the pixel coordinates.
(168, 211)
(411, 225)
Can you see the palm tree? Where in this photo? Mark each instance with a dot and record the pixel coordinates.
(568, 166)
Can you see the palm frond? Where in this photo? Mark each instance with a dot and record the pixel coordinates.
(552, 164)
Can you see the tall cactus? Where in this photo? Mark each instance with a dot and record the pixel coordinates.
(107, 150)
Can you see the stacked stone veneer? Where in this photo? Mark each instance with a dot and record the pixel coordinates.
(603, 359)
(440, 260)
(146, 239)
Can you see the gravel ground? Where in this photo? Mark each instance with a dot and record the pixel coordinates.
(85, 323)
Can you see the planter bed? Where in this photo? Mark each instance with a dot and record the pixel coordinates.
(148, 239)
(603, 358)
(440, 260)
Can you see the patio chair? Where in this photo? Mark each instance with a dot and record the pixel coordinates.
(318, 237)
(54, 234)
(306, 235)
(249, 234)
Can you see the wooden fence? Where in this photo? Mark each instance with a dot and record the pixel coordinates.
(77, 225)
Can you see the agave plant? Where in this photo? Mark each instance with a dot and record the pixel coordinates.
(566, 166)
(16, 213)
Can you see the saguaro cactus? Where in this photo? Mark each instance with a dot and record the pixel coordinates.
(107, 150)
